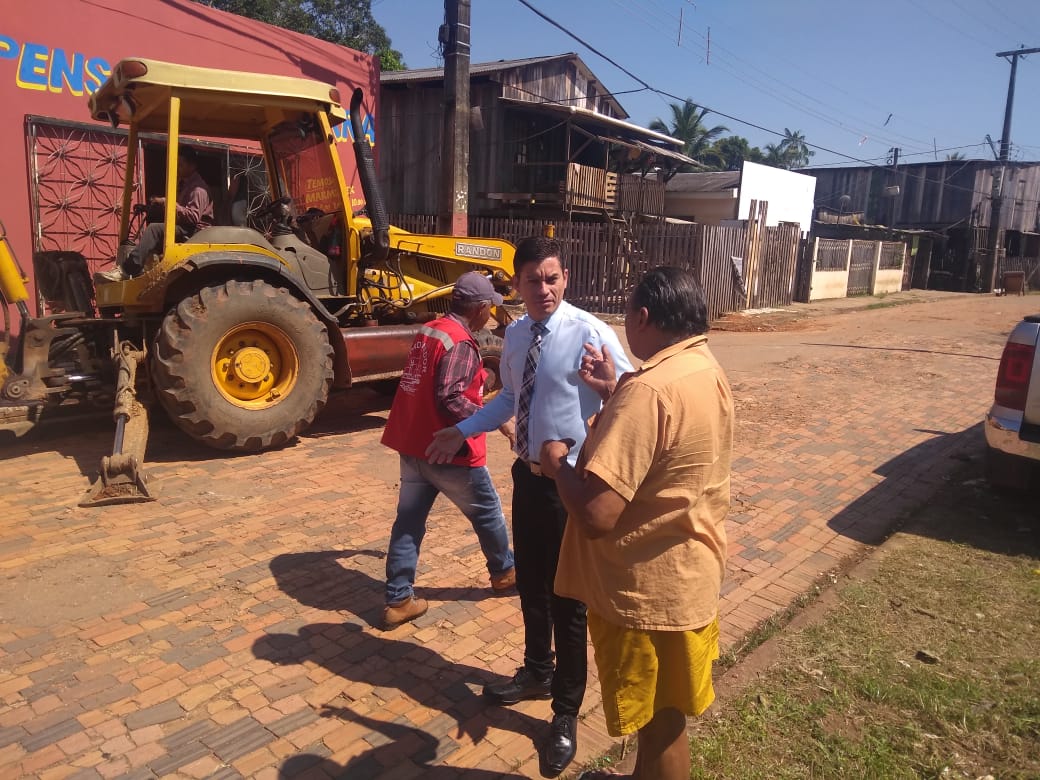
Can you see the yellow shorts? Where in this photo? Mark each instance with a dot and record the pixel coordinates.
(642, 672)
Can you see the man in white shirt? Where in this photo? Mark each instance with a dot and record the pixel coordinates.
(541, 358)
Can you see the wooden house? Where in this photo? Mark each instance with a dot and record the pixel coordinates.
(547, 140)
(948, 206)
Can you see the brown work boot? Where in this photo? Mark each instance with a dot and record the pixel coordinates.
(504, 581)
(403, 611)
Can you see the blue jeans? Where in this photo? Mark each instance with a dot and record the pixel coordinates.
(470, 489)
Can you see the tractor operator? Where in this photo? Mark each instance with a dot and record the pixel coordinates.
(194, 212)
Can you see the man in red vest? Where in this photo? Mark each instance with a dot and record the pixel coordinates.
(443, 384)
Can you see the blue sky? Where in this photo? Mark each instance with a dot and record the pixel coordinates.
(833, 70)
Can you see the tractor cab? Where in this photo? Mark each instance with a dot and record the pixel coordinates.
(302, 225)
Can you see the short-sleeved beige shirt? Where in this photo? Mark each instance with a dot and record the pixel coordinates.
(663, 442)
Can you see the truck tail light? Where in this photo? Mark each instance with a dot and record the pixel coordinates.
(1016, 364)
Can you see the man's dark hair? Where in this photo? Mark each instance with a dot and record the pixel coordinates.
(188, 153)
(535, 249)
(674, 301)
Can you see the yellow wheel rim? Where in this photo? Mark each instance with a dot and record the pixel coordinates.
(255, 365)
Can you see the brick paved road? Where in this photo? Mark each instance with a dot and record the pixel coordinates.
(229, 629)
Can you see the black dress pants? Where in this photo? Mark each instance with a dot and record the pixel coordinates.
(538, 522)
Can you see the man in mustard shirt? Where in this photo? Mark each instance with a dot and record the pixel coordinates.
(644, 546)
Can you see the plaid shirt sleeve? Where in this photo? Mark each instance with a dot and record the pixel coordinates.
(454, 374)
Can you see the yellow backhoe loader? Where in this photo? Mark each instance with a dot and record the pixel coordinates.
(239, 332)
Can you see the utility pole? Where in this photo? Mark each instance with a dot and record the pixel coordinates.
(453, 214)
(996, 225)
(892, 190)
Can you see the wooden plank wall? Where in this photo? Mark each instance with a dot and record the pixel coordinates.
(639, 194)
(586, 187)
(715, 252)
(1030, 266)
(778, 266)
(606, 260)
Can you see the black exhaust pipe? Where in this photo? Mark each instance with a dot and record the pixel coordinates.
(369, 184)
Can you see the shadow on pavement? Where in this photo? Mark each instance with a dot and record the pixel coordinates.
(417, 672)
(349, 411)
(973, 513)
(319, 579)
(406, 743)
(990, 358)
(85, 438)
(924, 476)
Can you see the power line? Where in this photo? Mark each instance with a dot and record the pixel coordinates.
(948, 23)
(930, 151)
(984, 19)
(746, 122)
(886, 136)
(820, 79)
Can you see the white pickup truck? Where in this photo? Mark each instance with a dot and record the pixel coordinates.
(1013, 422)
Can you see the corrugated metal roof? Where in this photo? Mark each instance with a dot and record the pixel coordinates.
(672, 155)
(475, 69)
(715, 181)
(584, 115)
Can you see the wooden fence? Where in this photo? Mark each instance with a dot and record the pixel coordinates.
(607, 259)
(1030, 266)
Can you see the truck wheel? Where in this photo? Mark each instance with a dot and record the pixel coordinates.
(491, 356)
(243, 366)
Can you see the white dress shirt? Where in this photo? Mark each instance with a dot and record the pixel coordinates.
(562, 403)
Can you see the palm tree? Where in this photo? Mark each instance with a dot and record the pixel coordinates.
(774, 155)
(795, 151)
(688, 126)
(791, 152)
(955, 156)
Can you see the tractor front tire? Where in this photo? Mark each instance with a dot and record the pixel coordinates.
(242, 366)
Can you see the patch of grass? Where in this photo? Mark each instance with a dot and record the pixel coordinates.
(928, 668)
(768, 628)
(885, 304)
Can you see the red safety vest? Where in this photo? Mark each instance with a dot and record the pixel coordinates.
(414, 415)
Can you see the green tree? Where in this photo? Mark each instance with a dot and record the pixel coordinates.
(734, 149)
(791, 152)
(347, 22)
(955, 156)
(774, 155)
(688, 126)
(795, 151)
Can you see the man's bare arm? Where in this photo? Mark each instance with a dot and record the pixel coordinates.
(590, 501)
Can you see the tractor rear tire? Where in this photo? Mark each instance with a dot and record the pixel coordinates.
(242, 366)
(490, 347)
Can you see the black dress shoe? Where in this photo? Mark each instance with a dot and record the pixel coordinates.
(522, 685)
(559, 749)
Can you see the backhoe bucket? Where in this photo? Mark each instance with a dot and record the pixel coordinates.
(121, 480)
